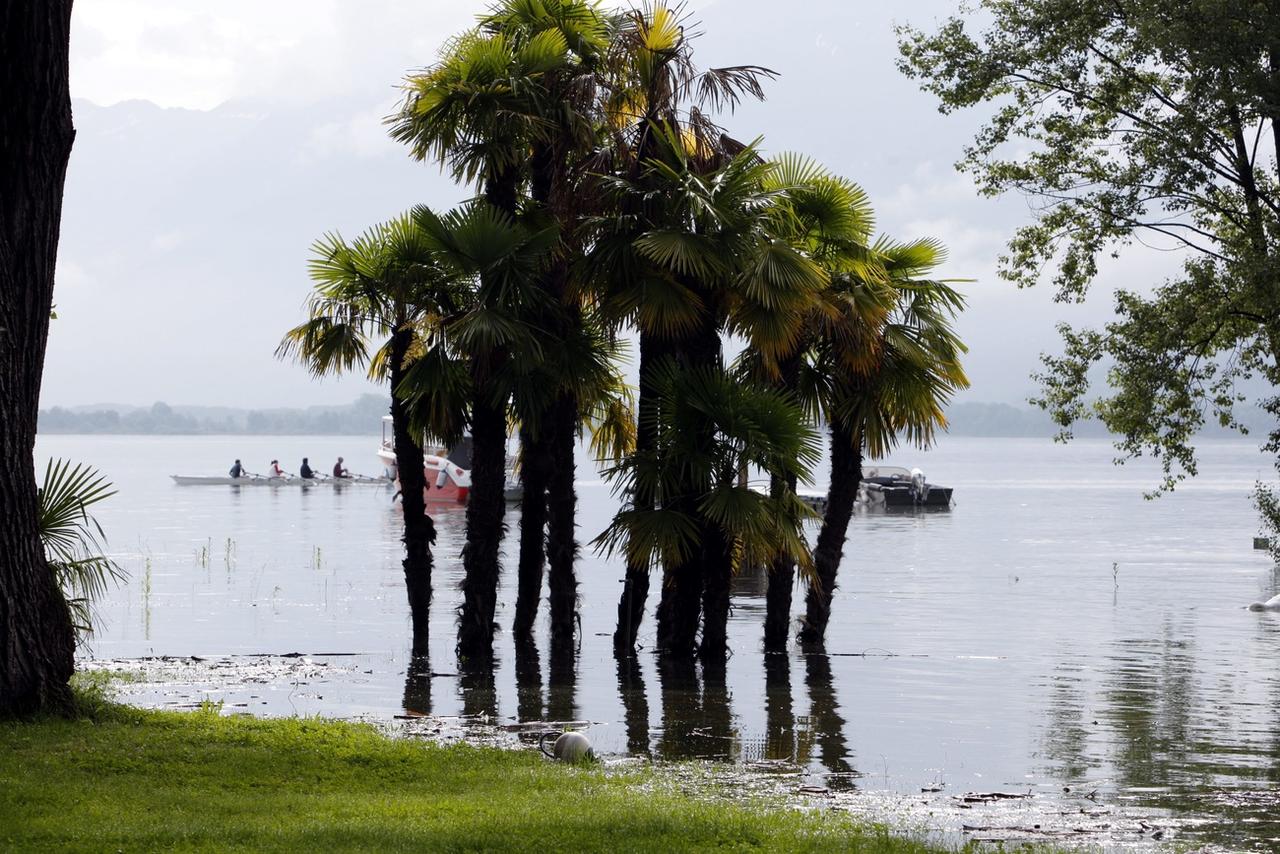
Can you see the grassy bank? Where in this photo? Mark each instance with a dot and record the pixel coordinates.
(123, 779)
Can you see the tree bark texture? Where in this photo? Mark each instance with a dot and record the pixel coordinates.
(37, 644)
(419, 529)
(846, 474)
(535, 463)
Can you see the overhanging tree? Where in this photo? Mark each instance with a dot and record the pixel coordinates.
(1134, 121)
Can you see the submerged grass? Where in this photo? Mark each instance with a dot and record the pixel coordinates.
(119, 778)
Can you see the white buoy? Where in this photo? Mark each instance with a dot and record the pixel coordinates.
(568, 747)
(1272, 604)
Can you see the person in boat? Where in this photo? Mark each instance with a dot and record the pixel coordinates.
(305, 470)
(274, 469)
(339, 470)
(237, 470)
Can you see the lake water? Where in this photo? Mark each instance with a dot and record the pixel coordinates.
(1054, 631)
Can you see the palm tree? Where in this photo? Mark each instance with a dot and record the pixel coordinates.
(828, 220)
(73, 539)
(650, 89)
(888, 362)
(497, 258)
(702, 515)
(374, 306)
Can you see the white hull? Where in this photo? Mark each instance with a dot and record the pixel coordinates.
(197, 480)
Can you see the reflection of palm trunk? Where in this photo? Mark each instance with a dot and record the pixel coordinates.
(562, 546)
(419, 531)
(681, 706)
(476, 684)
(562, 684)
(635, 588)
(780, 719)
(533, 513)
(417, 686)
(635, 704)
(485, 510)
(717, 718)
(824, 709)
(846, 474)
(528, 682)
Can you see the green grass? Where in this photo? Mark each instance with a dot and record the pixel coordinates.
(119, 778)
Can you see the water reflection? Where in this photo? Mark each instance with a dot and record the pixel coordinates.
(528, 667)
(779, 708)
(562, 684)
(825, 727)
(478, 689)
(417, 686)
(635, 705)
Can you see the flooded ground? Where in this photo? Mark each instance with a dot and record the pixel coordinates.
(1053, 635)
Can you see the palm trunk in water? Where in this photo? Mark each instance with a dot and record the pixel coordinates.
(717, 568)
(37, 643)
(534, 468)
(635, 586)
(846, 474)
(486, 506)
(782, 569)
(419, 530)
(485, 528)
(562, 506)
(782, 576)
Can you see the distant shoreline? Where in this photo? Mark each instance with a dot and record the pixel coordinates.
(363, 416)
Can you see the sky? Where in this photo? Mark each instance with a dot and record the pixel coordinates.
(216, 142)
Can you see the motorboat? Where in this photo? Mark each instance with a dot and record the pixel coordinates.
(898, 487)
(287, 480)
(447, 470)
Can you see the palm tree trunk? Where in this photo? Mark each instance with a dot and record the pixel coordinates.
(562, 547)
(37, 644)
(782, 575)
(419, 530)
(534, 468)
(486, 505)
(717, 567)
(782, 570)
(635, 585)
(486, 508)
(846, 474)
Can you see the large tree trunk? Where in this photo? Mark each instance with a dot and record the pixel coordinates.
(37, 644)
(534, 468)
(635, 585)
(486, 508)
(419, 530)
(782, 576)
(846, 474)
(562, 506)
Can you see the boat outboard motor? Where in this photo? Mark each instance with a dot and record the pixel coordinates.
(919, 489)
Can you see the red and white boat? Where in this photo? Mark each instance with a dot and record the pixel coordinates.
(445, 479)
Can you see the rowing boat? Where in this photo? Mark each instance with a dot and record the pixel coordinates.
(258, 480)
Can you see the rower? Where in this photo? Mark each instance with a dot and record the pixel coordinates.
(339, 470)
(237, 470)
(305, 471)
(274, 469)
